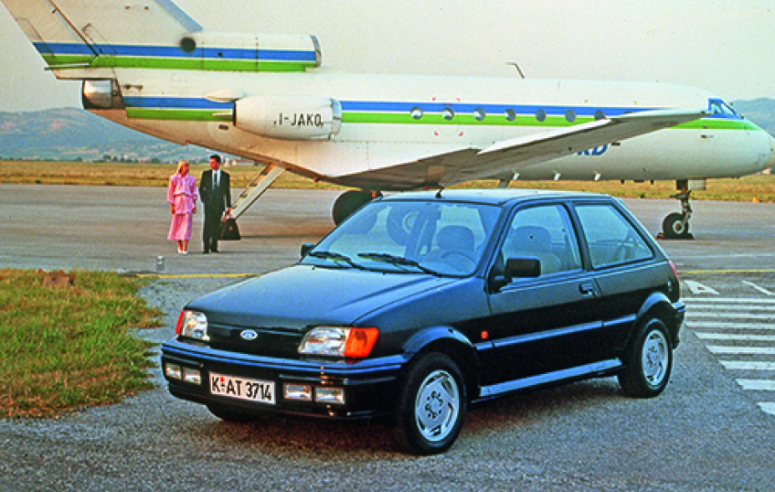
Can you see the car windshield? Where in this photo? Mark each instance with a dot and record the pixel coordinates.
(436, 237)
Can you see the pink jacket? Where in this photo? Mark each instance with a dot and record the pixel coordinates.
(182, 193)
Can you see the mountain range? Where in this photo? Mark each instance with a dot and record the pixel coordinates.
(76, 134)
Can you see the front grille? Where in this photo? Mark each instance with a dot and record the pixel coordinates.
(273, 342)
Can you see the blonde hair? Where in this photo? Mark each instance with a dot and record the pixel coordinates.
(181, 164)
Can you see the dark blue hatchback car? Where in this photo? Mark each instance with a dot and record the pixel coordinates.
(420, 304)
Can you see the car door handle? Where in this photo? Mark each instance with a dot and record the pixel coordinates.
(587, 289)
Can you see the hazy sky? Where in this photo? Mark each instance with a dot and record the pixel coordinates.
(726, 46)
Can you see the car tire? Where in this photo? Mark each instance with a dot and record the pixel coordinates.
(649, 361)
(432, 405)
(230, 414)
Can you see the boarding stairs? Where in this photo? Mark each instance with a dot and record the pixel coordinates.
(255, 189)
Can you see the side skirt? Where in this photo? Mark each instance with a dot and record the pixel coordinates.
(602, 368)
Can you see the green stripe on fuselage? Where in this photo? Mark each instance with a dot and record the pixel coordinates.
(177, 63)
(429, 119)
(174, 114)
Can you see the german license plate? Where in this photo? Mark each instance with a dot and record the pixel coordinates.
(242, 388)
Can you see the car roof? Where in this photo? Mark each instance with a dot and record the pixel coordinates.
(492, 196)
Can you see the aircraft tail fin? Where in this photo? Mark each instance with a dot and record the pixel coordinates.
(77, 37)
(74, 33)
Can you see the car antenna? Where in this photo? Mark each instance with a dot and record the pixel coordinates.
(438, 193)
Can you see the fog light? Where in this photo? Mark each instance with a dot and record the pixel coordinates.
(173, 371)
(192, 376)
(300, 392)
(329, 395)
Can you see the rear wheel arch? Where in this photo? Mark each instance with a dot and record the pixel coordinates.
(659, 306)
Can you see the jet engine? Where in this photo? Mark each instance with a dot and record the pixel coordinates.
(289, 117)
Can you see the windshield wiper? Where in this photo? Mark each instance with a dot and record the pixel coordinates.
(328, 255)
(397, 261)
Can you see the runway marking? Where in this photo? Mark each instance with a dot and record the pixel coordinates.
(698, 288)
(736, 365)
(731, 315)
(760, 289)
(736, 338)
(721, 325)
(767, 407)
(729, 350)
(747, 328)
(756, 384)
(725, 272)
(733, 300)
(749, 308)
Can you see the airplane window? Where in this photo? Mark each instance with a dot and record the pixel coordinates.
(511, 115)
(448, 113)
(479, 114)
(599, 115)
(541, 115)
(570, 116)
(416, 113)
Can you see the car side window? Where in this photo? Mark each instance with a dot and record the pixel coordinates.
(611, 238)
(544, 232)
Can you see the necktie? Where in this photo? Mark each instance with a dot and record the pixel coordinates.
(215, 180)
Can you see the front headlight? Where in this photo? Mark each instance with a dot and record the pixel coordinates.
(339, 341)
(193, 324)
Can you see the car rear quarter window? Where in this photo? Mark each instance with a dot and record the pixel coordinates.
(611, 238)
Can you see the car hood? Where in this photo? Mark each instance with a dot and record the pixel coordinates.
(302, 295)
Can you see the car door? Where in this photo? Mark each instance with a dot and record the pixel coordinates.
(626, 272)
(551, 322)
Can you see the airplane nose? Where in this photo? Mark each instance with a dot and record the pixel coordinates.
(771, 162)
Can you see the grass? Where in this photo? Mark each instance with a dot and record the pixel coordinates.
(67, 348)
(760, 187)
(120, 174)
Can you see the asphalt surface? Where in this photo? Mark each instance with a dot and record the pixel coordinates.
(708, 431)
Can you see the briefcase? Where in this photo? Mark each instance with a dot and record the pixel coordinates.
(230, 230)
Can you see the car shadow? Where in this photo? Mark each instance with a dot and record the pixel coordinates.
(294, 435)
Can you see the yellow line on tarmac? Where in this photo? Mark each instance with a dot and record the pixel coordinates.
(195, 275)
(244, 275)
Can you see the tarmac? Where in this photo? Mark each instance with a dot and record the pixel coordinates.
(124, 229)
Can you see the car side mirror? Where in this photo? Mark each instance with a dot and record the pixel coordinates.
(305, 248)
(522, 268)
(516, 268)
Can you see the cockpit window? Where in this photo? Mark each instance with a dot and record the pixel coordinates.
(721, 109)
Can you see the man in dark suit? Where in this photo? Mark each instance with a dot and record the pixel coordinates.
(215, 191)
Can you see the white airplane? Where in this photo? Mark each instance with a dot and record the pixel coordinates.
(149, 66)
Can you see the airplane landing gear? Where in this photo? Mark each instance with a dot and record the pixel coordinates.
(676, 225)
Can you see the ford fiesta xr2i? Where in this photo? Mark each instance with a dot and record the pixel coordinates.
(420, 304)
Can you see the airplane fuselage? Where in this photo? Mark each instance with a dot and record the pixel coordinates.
(387, 120)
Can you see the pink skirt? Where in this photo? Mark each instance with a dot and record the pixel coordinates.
(180, 227)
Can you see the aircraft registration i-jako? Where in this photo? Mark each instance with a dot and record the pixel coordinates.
(149, 66)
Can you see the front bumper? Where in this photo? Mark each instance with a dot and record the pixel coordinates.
(369, 386)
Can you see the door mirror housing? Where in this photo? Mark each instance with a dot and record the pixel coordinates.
(527, 267)
(305, 248)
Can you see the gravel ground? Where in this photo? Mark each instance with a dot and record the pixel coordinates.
(704, 433)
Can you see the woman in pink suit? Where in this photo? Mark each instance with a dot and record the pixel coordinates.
(182, 195)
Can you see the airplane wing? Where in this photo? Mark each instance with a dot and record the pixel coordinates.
(508, 157)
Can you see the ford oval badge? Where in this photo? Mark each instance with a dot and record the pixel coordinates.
(248, 335)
